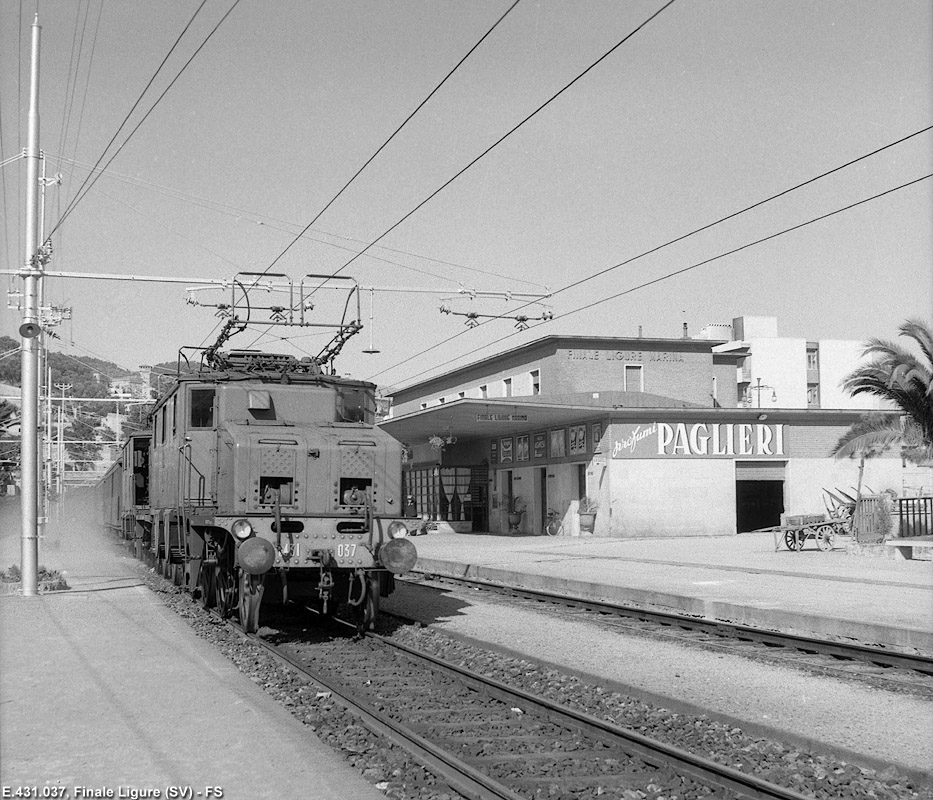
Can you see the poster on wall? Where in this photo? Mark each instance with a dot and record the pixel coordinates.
(597, 436)
(577, 439)
(540, 444)
(521, 448)
(505, 450)
(558, 444)
(493, 452)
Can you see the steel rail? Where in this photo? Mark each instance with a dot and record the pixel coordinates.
(808, 644)
(654, 751)
(472, 783)
(460, 776)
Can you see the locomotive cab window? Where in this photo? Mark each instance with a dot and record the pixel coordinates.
(355, 404)
(202, 408)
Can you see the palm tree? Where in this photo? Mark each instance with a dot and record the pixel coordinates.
(906, 380)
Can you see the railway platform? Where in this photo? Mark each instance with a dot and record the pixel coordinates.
(103, 687)
(835, 594)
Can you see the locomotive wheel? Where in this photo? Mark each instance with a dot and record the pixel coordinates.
(250, 598)
(824, 537)
(206, 583)
(224, 591)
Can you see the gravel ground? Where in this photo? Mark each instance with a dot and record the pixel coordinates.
(835, 715)
(392, 771)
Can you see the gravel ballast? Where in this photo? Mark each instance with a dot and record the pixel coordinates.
(390, 769)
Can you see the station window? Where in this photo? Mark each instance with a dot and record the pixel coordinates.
(536, 381)
(507, 387)
(813, 359)
(634, 378)
(202, 408)
(484, 391)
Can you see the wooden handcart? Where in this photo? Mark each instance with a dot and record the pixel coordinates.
(796, 530)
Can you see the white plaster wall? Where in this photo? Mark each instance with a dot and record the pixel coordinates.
(838, 357)
(782, 364)
(755, 327)
(805, 479)
(672, 497)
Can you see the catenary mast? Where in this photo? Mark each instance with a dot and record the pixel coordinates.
(29, 330)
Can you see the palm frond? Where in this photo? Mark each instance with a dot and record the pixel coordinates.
(922, 334)
(872, 435)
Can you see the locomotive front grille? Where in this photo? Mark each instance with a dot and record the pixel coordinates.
(356, 483)
(276, 482)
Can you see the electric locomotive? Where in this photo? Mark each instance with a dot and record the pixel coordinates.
(264, 476)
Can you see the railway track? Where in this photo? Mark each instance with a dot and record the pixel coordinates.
(488, 740)
(905, 670)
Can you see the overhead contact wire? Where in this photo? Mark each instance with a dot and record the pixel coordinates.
(505, 136)
(686, 269)
(379, 150)
(94, 175)
(392, 136)
(681, 238)
(499, 141)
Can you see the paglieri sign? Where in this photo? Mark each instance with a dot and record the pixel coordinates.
(698, 440)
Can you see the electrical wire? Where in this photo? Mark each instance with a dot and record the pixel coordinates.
(393, 135)
(130, 112)
(238, 213)
(505, 136)
(501, 139)
(72, 79)
(85, 187)
(382, 147)
(669, 275)
(684, 236)
(87, 82)
(168, 228)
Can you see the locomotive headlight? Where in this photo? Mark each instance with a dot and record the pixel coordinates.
(398, 530)
(242, 529)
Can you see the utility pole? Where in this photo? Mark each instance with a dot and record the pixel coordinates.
(61, 439)
(29, 330)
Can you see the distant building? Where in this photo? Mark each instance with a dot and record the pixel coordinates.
(782, 372)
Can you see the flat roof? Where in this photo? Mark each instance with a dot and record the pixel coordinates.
(695, 345)
(471, 418)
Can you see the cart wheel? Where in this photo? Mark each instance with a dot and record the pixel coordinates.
(792, 541)
(824, 537)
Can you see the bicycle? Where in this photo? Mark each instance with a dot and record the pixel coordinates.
(554, 525)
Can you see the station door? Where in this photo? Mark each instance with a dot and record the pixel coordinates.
(759, 494)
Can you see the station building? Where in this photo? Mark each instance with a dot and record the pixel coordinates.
(657, 433)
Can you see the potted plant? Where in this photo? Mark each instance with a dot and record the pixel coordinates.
(587, 511)
(516, 508)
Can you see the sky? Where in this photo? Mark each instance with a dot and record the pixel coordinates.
(708, 108)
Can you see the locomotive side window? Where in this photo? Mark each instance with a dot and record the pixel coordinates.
(202, 408)
(355, 405)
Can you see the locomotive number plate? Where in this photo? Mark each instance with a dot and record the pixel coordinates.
(346, 550)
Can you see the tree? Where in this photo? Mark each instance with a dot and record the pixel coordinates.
(906, 380)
